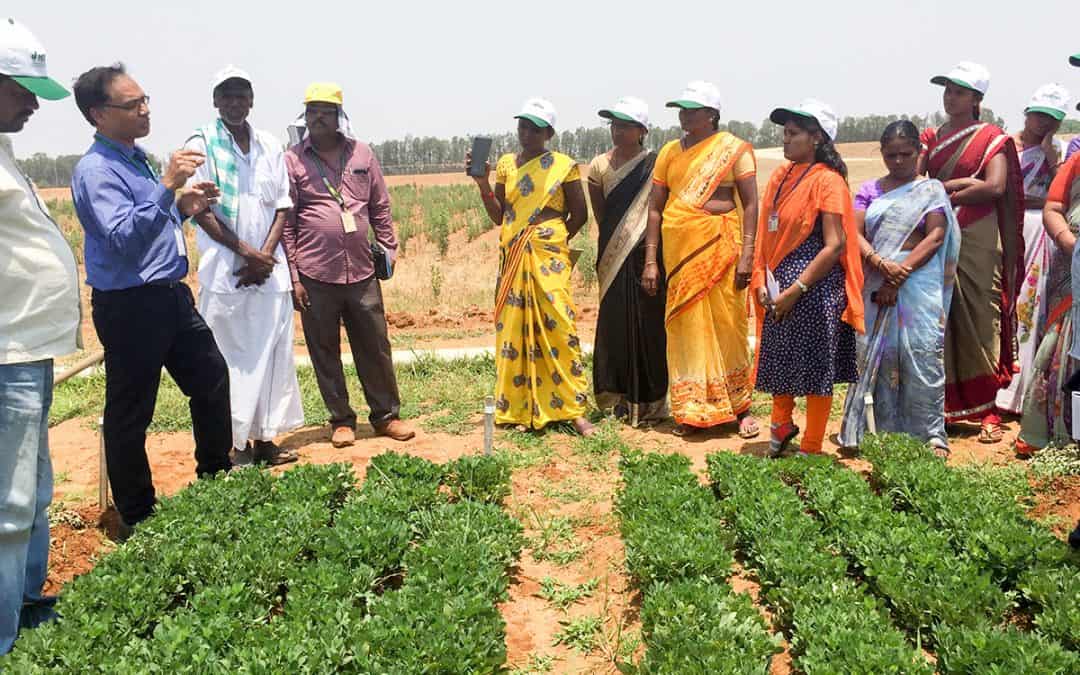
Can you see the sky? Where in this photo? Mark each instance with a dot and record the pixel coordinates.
(461, 68)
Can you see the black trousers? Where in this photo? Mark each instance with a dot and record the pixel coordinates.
(360, 307)
(144, 329)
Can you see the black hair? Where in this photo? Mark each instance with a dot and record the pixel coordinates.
(715, 119)
(904, 129)
(978, 105)
(91, 88)
(826, 152)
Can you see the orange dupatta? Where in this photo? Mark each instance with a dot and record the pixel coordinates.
(821, 191)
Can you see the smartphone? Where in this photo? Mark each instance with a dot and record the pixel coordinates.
(481, 148)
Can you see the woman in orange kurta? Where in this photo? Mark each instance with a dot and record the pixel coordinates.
(807, 277)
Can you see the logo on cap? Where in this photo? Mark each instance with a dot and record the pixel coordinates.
(38, 58)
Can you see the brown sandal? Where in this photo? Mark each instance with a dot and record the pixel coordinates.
(748, 433)
(267, 452)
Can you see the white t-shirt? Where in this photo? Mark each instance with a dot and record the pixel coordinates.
(39, 300)
(263, 189)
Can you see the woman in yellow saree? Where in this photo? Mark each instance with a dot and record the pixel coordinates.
(704, 212)
(540, 204)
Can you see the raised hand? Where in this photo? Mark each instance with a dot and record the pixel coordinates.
(181, 167)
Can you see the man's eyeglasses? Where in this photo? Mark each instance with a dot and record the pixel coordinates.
(133, 104)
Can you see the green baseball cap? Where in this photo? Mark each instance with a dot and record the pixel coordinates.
(1075, 60)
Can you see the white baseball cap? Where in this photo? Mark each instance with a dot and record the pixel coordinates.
(698, 94)
(628, 109)
(22, 58)
(229, 72)
(1051, 99)
(968, 75)
(539, 111)
(811, 108)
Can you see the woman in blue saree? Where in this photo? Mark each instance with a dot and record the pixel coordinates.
(910, 241)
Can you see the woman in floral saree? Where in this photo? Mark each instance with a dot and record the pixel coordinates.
(539, 202)
(1040, 156)
(705, 196)
(629, 357)
(978, 165)
(909, 241)
(1047, 407)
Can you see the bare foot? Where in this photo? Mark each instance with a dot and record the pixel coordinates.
(584, 426)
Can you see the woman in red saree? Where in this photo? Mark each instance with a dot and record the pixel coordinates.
(978, 164)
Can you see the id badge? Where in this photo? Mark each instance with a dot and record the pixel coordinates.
(181, 246)
(774, 222)
(348, 221)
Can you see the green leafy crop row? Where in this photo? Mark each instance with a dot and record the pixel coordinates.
(993, 531)
(680, 556)
(303, 574)
(927, 584)
(836, 626)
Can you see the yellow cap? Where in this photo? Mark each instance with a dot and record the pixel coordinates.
(323, 92)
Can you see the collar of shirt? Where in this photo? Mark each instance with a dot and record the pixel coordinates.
(132, 155)
(307, 147)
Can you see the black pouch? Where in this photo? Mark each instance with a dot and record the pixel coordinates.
(381, 259)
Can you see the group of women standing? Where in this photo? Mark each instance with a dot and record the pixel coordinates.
(911, 292)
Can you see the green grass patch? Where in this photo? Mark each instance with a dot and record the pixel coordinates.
(451, 393)
(563, 595)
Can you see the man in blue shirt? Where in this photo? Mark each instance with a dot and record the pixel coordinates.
(145, 316)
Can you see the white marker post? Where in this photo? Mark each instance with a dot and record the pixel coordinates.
(868, 402)
(489, 424)
(103, 469)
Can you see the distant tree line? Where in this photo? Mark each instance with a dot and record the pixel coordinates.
(427, 154)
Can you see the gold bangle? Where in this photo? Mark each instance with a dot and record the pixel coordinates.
(651, 245)
(650, 262)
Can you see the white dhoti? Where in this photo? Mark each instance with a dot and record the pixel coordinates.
(254, 331)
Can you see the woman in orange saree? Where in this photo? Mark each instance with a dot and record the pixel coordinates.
(978, 164)
(705, 195)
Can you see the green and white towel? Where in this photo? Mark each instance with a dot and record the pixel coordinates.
(222, 164)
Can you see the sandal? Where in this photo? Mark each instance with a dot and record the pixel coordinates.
(940, 450)
(683, 430)
(1024, 450)
(780, 436)
(990, 432)
(748, 427)
(267, 452)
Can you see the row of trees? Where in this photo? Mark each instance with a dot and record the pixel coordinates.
(428, 154)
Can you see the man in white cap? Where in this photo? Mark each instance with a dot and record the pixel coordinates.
(39, 312)
(245, 293)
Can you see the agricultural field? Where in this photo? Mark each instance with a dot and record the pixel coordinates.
(632, 551)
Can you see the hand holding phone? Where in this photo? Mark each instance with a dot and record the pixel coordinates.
(477, 159)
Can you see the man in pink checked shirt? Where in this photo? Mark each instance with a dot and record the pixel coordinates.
(338, 193)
